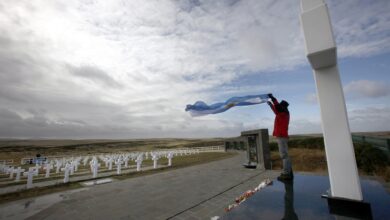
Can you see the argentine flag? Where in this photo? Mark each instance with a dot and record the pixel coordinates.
(201, 108)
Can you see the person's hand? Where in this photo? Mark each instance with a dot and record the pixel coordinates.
(231, 104)
(269, 103)
(270, 95)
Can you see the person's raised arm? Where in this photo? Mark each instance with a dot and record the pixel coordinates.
(272, 106)
(274, 100)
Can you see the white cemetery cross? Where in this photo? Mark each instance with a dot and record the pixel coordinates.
(85, 161)
(126, 160)
(110, 161)
(7, 170)
(58, 166)
(118, 166)
(321, 53)
(48, 167)
(18, 171)
(30, 173)
(146, 155)
(37, 167)
(76, 164)
(155, 159)
(11, 172)
(106, 162)
(90, 164)
(95, 167)
(67, 170)
(170, 156)
(72, 167)
(139, 162)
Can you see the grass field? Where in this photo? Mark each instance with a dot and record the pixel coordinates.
(309, 155)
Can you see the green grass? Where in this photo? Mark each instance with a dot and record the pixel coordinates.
(309, 155)
(180, 162)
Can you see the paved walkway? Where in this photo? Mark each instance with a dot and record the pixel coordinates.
(197, 192)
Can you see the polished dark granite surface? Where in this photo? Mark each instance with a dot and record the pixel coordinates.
(301, 199)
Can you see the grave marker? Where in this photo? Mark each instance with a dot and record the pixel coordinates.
(32, 171)
(48, 167)
(18, 172)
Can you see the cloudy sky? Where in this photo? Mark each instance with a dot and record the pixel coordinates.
(127, 69)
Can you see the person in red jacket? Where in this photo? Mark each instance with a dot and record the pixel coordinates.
(282, 119)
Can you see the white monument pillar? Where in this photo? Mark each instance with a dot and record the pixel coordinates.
(321, 52)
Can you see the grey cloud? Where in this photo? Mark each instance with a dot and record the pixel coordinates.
(188, 5)
(96, 75)
(18, 64)
(367, 88)
(370, 119)
(361, 28)
(12, 125)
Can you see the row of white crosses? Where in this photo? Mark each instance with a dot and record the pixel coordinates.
(70, 165)
(11, 171)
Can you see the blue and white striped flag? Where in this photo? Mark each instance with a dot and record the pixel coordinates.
(201, 108)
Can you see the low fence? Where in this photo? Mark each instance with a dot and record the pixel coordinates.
(377, 142)
(220, 148)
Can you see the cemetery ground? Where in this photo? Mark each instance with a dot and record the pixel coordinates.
(179, 162)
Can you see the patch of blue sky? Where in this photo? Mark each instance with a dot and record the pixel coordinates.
(296, 84)
(365, 68)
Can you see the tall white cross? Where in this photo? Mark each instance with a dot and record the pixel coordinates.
(322, 55)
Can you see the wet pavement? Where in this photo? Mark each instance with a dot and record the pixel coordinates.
(301, 199)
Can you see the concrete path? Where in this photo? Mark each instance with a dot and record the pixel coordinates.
(197, 192)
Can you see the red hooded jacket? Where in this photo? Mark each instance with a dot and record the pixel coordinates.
(282, 120)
